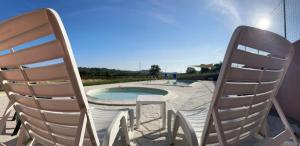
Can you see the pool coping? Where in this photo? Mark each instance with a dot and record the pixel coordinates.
(123, 102)
(164, 84)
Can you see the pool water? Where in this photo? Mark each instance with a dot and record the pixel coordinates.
(121, 93)
(180, 82)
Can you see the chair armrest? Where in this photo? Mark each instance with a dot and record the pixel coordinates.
(114, 127)
(130, 113)
(188, 129)
(131, 118)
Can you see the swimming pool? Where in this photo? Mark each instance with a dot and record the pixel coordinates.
(121, 95)
(179, 82)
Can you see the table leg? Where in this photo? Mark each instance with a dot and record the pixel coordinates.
(138, 115)
(163, 113)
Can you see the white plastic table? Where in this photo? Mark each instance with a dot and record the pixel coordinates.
(151, 99)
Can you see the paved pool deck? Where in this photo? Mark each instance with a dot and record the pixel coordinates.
(150, 132)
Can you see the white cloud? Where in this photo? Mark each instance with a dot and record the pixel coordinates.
(227, 8)
(167, 19)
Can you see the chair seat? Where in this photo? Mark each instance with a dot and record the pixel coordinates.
(197, 120)
(102, 120)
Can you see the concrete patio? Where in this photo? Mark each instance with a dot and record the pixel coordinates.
(150, 132)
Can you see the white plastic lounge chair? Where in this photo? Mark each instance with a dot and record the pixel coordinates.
(248, 81)
(65, 118)
(288, 94)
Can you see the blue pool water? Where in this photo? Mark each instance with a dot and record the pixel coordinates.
(121, 93)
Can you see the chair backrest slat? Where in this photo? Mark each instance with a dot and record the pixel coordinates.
(237, 123)
(252, 75)
(36, 33)
(59, 105)
(34, 121)
(21, 24)
(28, 112)
(43, 90)
(46, 73)
(28, 101)
(56, 104)
(41, 139)
(41, 132)
(39, 74)
(69, 141)
(253, 67)
(67, 132)
(250, 60)
(264, 41)
(40, 53)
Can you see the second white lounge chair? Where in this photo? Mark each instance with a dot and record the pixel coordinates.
(49, 97)
(245, 91)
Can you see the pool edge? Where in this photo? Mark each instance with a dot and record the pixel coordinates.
(93, 100)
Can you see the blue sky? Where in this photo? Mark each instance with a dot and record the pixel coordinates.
(171, 33)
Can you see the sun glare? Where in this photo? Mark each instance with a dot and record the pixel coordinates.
(263, 23)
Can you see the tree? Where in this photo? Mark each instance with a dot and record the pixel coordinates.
(217, 67)
(154, 70)
(205, 70)
(191, 70)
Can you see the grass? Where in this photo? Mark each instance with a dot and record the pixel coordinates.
(90, 82)
(200, 76)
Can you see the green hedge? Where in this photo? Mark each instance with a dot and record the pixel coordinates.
(213, 76)
(90, 82)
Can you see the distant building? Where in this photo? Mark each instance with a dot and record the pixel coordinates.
(204, 67)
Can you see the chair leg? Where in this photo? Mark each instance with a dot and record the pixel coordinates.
(14, 117)
(131, 119)
(265, 129)
(21, 136)
(171, 115)
(163, 113)
(5, 117)
(125, 130)
(138, 115)
(17, 128)
(175, 130)
(284, 121)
